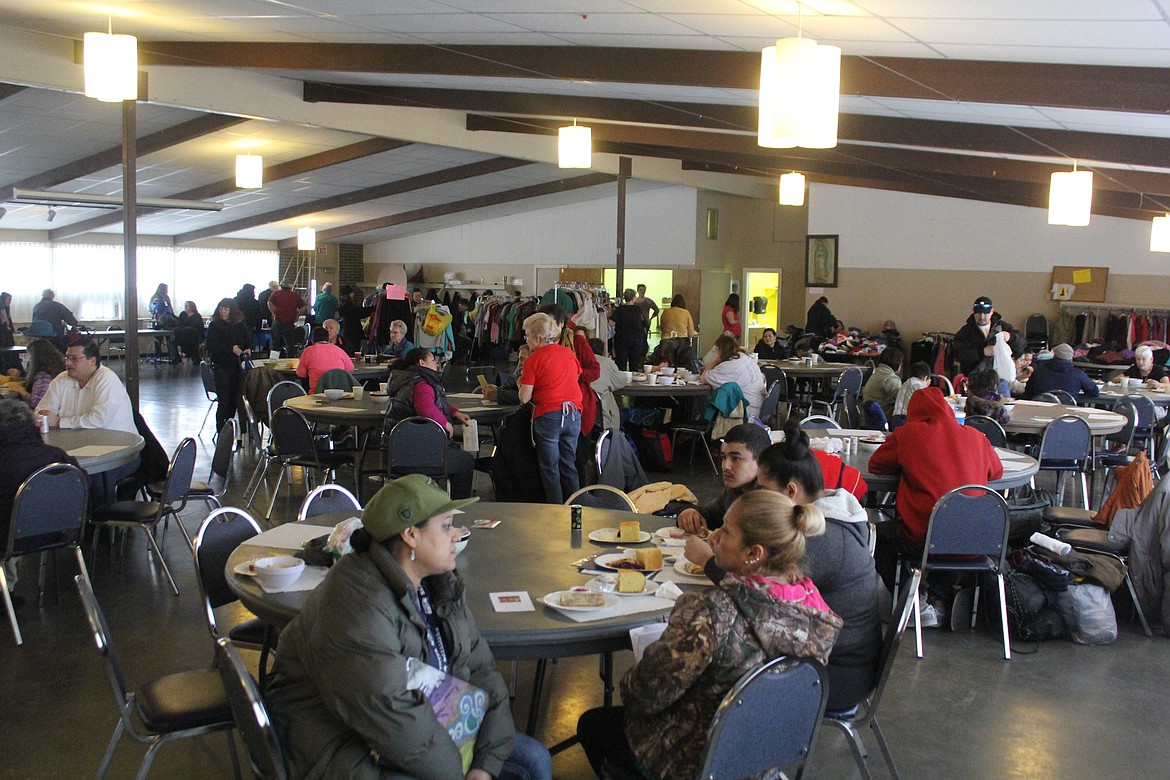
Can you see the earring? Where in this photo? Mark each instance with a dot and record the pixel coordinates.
(412, 553)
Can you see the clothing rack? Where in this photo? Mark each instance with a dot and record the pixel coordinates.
(1125, 308)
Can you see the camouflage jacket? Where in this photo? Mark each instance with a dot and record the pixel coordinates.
(714, 637)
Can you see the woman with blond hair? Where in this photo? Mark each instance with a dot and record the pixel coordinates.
(765, 607)
(549, 380)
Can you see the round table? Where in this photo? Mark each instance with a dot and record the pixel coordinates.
(1111, 394)
(1034, 417)
(371, 410)
(820, 370)
(541, 554)
(362, 372)
(97, 450)
(1023, 469)
(642, 389)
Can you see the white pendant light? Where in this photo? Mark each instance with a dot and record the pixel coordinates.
(792, 189)
(1160, 234)
(111, 67)
(249, 171)
(800, 94)
(1070, 198)
(575, 147)
(306, 239)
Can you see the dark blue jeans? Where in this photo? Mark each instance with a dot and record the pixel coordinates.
(555, 435)
(529, 760)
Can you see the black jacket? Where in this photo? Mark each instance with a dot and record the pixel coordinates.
(821, 320)
(969, 342)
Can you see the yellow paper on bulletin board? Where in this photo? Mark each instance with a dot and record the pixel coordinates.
(1090, 281)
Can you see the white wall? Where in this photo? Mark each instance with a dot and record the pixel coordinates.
(660, 230)
(896, 230)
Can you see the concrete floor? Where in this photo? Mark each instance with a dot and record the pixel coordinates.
(960, 712)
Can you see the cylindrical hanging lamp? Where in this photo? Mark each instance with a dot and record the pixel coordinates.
(1070, 198)
(575, 147)
(249, 171)
(1160, 234)
(306, 239)
(792, 189)
(110, 63)
(800, 94)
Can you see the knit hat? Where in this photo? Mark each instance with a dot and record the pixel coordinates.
(1062, 351)
(406, 502)
(982, 303)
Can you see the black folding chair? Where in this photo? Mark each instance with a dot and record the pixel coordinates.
(326, 500)
(251, 715)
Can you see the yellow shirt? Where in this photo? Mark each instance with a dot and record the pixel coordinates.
(677, 319)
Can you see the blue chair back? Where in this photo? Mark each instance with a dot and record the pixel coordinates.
(969, 520)
(281, 392)
(850, 380)
(220, 533)
(818, 421)
(734, 744)
(417, 445)
(1067, 443)
(874, 417)
(1146, 416)
(49, 510)
(180, 474)
(1065, 397)
(772, 401)
(250, 714)
(327, 499)
(1125, 407)
(988, 427)
(292, 435)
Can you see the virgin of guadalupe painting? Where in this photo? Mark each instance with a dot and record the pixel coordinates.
(820, 261)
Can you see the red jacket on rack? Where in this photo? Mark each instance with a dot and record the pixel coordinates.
(590, 371)
(933, 454)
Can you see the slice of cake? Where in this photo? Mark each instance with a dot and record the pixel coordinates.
(578, 598)
(630, 581)
(650, 557)
(629, 531)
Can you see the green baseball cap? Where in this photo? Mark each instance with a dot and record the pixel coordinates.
(406, 502)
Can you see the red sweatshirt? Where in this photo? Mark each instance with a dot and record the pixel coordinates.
(933, 454)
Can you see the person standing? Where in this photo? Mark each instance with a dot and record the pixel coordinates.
(732, 324)
(228, 340)
(974, 344)
(647, 305)
(629, 333)
(676, 320)
(285, 306)
(254, 315)
(56, 314)
(550, 380)
(350, 314)
(162, 315)
(7, 333)
(326, 304)
(821, 322)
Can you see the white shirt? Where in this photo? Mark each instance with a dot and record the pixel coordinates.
(102, 403)
(745, 372)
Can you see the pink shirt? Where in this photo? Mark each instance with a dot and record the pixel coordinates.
(318, 359)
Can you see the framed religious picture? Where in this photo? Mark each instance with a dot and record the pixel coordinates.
(820, 261)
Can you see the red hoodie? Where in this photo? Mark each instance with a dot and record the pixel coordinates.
(933, 454)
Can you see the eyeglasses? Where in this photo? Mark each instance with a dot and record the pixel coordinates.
(74, 358)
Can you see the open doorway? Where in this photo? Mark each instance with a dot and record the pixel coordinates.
(760, 303)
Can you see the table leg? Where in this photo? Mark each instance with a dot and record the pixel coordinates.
(607, 678)
(537, 689)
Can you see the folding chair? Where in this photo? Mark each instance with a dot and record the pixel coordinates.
(777, 392)
(208, 378)
(1067, 445)
(326, 500)
(734, 746)
(417, 445)
(221, 466)
(251, 715)
(850, 380)
(968, 532)
(988, 427)
(175, 706)
(853, 727)
(817, 422)
(292, 438)
(48, 513)
(942, 383)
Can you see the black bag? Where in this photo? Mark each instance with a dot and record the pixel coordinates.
(1032, 616)
(1026, 507)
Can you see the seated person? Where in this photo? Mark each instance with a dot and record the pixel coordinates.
(741, 452)
(321, 357)
(333, 328)
(87, 395)
(837, 560)
(769, 347)
(421, 382)
(1059, 373)
(673, 352)
(44, 363)
(338, 691)
(1023, 372)
(885, 384)
(22, 451)
(1143, 368)
(726, 362)
(506, 389)
(918, 378)
(765, 607)
(932, 453)
(983, 396)
(611, 379)
(399, 345)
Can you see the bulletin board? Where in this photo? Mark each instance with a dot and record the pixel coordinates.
(1089, 282)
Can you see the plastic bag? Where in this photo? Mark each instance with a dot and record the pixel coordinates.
(1088, 614)
(1002, 360)
(471, 437)
(436, 321)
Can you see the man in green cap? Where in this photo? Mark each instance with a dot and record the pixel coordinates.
(338, 689)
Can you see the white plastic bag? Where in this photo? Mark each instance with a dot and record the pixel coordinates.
(471, 437)
(1088, 614)
(1002, 360)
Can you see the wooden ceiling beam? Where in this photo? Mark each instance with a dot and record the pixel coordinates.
(147, 144)
(446, 176)
(459, 206)
(284, 170)
(1102, 87)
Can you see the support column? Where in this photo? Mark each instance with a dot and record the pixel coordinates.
(130, 242)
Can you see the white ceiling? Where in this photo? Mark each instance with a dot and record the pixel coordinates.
(41, 129)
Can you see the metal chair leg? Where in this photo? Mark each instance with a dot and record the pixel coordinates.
(1132, 594)
(1003, 621)
(11, 612)
(158, 554)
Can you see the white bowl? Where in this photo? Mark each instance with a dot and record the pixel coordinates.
(461, 545)
(382, 399)
(629, 375)
(277, 571)
(667, 370)
(870, 443)
(334, 394)
(666, 380)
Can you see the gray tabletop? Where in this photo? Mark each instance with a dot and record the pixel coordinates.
(882, 483)
(1034, 416)
(637, 389)
(371, 409)
(531, 549)
(119, 447)
(822, 370)
(1111, 394)
(363, 372)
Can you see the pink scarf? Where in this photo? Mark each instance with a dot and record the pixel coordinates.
(803, 591)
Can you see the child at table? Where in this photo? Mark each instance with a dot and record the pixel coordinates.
(983, 396)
